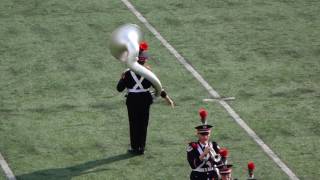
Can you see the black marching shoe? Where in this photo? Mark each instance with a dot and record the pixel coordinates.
(139, 151)
(135, 151)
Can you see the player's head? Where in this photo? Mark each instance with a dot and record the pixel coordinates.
(203, 132)
(225, 171)
(143, 55)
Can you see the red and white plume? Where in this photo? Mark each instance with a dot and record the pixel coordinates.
(224, 153)
(203, 115)
(143, 46)
(251, 167)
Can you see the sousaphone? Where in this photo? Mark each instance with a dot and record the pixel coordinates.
(124, 46)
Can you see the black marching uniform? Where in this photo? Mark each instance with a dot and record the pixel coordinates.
(205, 169)
(138, 104)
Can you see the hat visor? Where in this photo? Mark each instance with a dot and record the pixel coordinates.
(225, 173)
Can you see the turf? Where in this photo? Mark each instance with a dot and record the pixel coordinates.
(61, 117)
(266, 54)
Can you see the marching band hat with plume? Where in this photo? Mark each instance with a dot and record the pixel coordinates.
(204, 128)
(251, 168)
(225, 168)
(143, 55)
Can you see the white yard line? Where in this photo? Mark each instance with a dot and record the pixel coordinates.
(6, 169)
(212, 92)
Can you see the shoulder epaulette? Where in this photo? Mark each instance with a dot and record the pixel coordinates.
(194, 145)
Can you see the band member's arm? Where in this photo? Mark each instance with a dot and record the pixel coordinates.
(193, 160)
(121, 84)
(216, 147)
(193, 156)
(164, 95)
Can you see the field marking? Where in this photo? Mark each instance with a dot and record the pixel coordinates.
(212, 92)
(6, 169)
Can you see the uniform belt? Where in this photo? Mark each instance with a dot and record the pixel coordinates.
(204, 169)
(137, 90)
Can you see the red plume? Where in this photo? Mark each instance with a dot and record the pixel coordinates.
(143, 46)
(224, 152)
(203, 114)
(251, 166)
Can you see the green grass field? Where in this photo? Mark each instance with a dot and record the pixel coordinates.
(61, 117)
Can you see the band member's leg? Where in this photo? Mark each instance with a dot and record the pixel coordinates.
(133, 126)
(144, 126)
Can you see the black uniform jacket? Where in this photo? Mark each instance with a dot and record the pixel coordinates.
(193, 155)
(128, 82)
